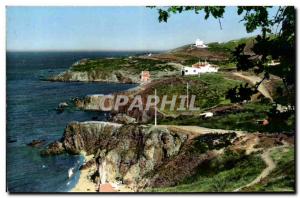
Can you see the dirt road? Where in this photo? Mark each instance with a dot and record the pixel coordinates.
(196, 130)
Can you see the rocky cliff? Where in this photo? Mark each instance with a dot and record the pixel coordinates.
(131, 151)
(140, 155)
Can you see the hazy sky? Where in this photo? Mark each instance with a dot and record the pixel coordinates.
(113, 28)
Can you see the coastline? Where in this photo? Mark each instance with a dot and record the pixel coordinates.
(84, 184)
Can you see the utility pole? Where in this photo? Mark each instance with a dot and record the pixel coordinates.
(155, 110)
(187, 96)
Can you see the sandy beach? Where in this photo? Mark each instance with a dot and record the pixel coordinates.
(84, 183)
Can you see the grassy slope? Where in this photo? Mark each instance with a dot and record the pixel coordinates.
(245, 120)
(135, 65)
(209, 89)
(230, 45)
(103, 64)
(138, 64)
(224, 48)
(184, 55)
(223, 174)
(282, 179)
(232, 171)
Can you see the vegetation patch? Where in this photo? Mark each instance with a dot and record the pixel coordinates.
(212, 141)
(229, 46)
(222, 174)
(282, 178)
(194, 153)
(133, 64)
(247, 119)
(210, 89)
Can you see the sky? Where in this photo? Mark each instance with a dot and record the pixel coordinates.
(113, 29)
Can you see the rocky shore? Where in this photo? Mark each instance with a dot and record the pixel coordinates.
(131, 151)
(85, 184)
(146, 156)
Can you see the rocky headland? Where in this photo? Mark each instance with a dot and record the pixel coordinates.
(117, 70)
(145, 156)
(95, 76)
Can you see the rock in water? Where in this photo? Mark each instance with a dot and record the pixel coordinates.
(63, 105)
(54, 148)
(11, 140)
(36, 143)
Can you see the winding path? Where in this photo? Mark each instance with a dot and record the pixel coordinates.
(271, 165)
(266, 155)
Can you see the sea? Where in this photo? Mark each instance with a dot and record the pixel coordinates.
(31, 115)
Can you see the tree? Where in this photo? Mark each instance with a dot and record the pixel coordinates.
(276, 41)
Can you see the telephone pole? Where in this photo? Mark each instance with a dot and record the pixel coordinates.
(187, 96)
(155, 110)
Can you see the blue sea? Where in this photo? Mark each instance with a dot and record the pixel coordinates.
(31, 114)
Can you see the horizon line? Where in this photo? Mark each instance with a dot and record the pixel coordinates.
(86, 50)
(115, 50)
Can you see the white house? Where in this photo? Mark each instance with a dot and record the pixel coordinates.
(198, 68)
(200, 44)
(190, 71)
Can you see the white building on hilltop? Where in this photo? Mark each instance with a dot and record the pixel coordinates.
(198, 68)
(200, 44)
